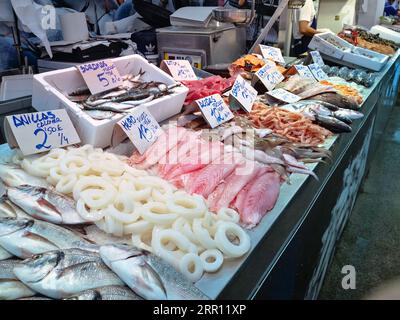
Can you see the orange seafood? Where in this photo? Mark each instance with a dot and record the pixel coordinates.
(345, 90)
(294, 126)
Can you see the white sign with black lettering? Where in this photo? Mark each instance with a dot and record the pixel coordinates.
(40, 131)
(141, 128)
(180, 70)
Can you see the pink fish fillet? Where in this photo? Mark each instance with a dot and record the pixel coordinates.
(207, 179)
(159, 149)
(257, 198)
(226, 191)
(199, 156)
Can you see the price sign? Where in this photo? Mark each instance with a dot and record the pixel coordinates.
(272, 53)
(318, 73)
(269, 76)
(141, 128)
(244, 93)
(284, 95)
(100, 76)
(214, 110)
(316, 56)
(40, 131)
(304, 72)
(179, 69)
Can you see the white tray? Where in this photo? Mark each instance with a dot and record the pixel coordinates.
(48, 88)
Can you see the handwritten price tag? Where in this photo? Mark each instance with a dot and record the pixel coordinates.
(244, 93)
(141, 128)
(179, 69)
(100, 76)
(214, 110)
(283, 95)
(318, 73)
(272, 53)
(269, 76)
(40, 131)
(316, 56)
(304, 72)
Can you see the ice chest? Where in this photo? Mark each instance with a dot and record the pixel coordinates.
(48, 94)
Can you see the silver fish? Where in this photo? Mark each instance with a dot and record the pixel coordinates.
(4, 254)
(99, 114)
(45, 204)
(26, 237)
(106, 293)
(147, 275)
(13, 176)
(62, 273)
(10, 287)
(10, 210)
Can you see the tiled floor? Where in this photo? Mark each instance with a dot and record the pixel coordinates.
(371, 240)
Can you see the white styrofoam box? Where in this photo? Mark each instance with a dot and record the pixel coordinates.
(356, 57)
(351, 54)
(49, 89)
(320, 44)
(386, 33)
(16, 86)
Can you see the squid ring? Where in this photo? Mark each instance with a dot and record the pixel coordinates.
(94, 183)
(228, 214)
(202, 234)
(74, 164)
(187, 206)
(55, 175)
(123, 210)
(224, 243)
(54, 156)
(212, 254)
(83, 150)
(92, 215)
(162, 192)
(135, 172)
(188, 262)
(170, 235)
(137, 241)
(34, 170)
(138, 227)
(96, 198)
(210, 223)
(158, 213)
(112, 167)
(112, 226)
(66, 184)
(183, 226)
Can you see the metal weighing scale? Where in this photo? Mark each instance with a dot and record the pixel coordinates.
(202, 46)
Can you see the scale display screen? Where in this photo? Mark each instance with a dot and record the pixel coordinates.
(194, 60)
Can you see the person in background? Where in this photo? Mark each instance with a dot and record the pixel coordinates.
(390, 8)
(304, 27)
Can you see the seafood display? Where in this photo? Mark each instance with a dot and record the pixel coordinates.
(345, 90)
(361, 77)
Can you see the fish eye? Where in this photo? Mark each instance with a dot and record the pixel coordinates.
(37, 256)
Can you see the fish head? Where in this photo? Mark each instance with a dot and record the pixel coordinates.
(10, 225)
(115, 252)
(86, 295)
(37, 267)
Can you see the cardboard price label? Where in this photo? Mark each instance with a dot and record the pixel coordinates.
(272, 53)
(284, 95)
(141, 128)
(180, 70)
(304, 72)
(100, 76)
(316, 56)
(40, 131)
(269, 76)
(244, 93)
(214, 110)
(318, 73)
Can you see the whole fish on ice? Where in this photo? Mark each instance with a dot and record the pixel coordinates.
(147, 275)
(26, 237)
(62, 273)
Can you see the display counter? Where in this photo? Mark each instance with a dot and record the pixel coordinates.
(294, 243)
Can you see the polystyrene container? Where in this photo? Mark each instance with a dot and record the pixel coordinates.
(49, 89)
(386, 33)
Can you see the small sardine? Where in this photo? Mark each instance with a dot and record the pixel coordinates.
(332, 124)
(45, 204)
(25, 237)
(63, 273)
(147, 275)
(106, 293)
